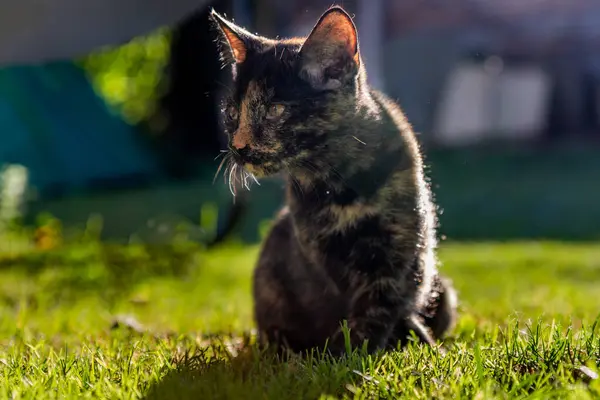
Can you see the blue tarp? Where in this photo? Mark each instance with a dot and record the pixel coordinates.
(53, 122)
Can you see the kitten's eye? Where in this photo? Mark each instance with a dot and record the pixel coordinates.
(232, 112)
(275, 111)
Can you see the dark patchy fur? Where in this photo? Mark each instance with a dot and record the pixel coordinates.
(356, 241)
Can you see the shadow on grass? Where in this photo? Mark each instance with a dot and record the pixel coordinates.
(251, 374)
(514, 362)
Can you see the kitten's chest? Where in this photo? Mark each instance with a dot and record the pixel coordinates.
(344, 239)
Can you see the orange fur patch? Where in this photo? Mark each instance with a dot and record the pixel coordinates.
(243, 136)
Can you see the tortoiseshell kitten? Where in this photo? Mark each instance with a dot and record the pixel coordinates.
(356, 240)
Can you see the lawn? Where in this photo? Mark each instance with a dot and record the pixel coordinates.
(70, 316)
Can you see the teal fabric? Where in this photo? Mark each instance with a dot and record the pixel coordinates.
(53, 122)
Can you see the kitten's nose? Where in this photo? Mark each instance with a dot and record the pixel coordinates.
(238, 144)
(241, 138)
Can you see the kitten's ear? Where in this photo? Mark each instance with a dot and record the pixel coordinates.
(237, 38)
(330, 54)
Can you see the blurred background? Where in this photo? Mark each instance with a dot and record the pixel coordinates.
(108, 115)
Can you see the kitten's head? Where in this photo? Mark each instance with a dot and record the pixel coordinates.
(289, 97)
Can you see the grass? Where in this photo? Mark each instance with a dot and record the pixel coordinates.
(527, 328)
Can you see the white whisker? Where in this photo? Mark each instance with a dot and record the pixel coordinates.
(243, 179)
(247, 183)
(225, 173)
(219, 169)
(231, 183)
(235, 179)
(358, 140)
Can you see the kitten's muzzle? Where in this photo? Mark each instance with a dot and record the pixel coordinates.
(257, 163)
(242, 156)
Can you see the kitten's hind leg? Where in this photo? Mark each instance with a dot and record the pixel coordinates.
(404, 329)
(435, 322)
(441, 316)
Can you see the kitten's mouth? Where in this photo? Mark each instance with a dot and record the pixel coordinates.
(256, 164)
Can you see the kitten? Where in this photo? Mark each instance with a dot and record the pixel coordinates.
(356, 240)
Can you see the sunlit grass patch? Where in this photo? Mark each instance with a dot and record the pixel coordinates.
(527, 328)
